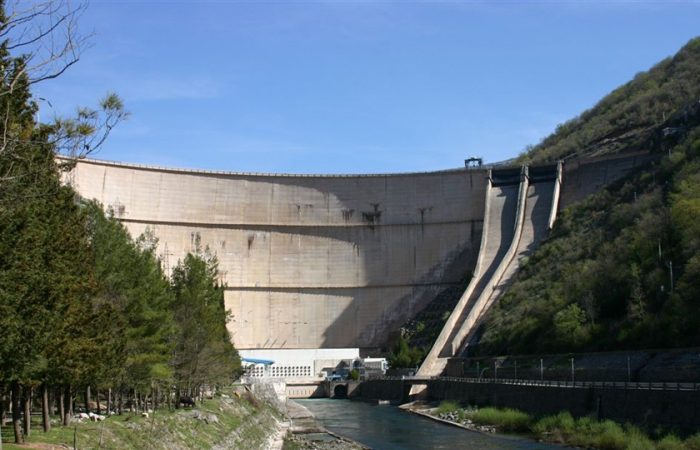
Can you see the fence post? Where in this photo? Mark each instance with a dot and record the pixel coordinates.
(572, 370)
(541, 370)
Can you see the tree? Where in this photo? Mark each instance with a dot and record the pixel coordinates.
(203, 350)
(46, 282)
(403, 356)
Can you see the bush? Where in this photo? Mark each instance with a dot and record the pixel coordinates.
(693, 442)
(447, 406)
(637, 440)
(562, 424)
(609, 435)
(504, 419)
(671, 442)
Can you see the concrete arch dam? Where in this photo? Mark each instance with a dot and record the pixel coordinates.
(308, 261)
(333, 261)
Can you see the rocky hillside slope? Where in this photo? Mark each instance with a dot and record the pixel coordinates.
(621, 270)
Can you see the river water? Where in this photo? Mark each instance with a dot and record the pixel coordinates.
(384, 427)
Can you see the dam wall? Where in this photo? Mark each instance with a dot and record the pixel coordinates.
(339, 261)
(308, 261)
(585, 176)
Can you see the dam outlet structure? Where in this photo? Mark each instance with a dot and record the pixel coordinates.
(343, 261)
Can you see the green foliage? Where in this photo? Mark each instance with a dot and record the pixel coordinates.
(203, 351)
(570, 325)
(506, 419)
(693, 442)
(447, 406)
(671, 442)
(132, 283)
(354, 374)
(403, 356)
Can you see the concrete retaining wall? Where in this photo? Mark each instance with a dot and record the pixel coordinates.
(395, 390)
(669, 408)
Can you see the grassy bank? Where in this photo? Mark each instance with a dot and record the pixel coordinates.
(563, 428)
(222, 422)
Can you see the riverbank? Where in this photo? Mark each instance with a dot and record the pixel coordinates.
(560, 429)
(306, 433)
(235, 419)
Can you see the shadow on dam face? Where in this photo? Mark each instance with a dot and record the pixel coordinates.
(309, 261)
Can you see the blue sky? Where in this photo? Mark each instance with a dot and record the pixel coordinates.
(355, 86)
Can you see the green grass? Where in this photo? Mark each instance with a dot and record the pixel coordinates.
(252, 422)
(506, 419)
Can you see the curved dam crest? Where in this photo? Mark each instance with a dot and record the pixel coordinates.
(337, 261)
(308, 261)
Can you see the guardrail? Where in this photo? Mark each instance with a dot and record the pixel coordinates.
(649, 386)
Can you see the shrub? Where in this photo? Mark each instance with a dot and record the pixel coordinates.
(447, 406)
(504, 419)
(609, 435)
(693, 442)
(637, 440)
(562, 424)
(671, 442)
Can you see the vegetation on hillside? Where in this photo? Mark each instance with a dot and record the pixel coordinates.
(620, 269)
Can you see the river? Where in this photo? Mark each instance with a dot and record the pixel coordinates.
(384, 427)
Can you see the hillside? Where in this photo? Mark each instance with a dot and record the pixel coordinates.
(631, 116)
(621, 270)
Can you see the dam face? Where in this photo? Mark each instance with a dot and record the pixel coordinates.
(308, 261)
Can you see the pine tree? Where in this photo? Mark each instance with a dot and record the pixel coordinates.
(203, 350)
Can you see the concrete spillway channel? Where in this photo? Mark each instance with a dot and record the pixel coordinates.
(520, 208)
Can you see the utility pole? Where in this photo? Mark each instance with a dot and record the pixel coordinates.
(572, 371)
(541, 370)
(670, 273)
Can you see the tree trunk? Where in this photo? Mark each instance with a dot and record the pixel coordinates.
(3, 406)
(155, 398)
(52, 402)
(87, 399)
(16, 414)
(120, 402)
(27, 407)
(97, 400)
(109, 401)
(61, 405)
(67, 405)
(45, 409)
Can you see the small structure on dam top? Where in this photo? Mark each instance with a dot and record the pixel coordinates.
(342, 261)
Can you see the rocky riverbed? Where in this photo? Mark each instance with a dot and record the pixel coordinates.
(305, 433)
